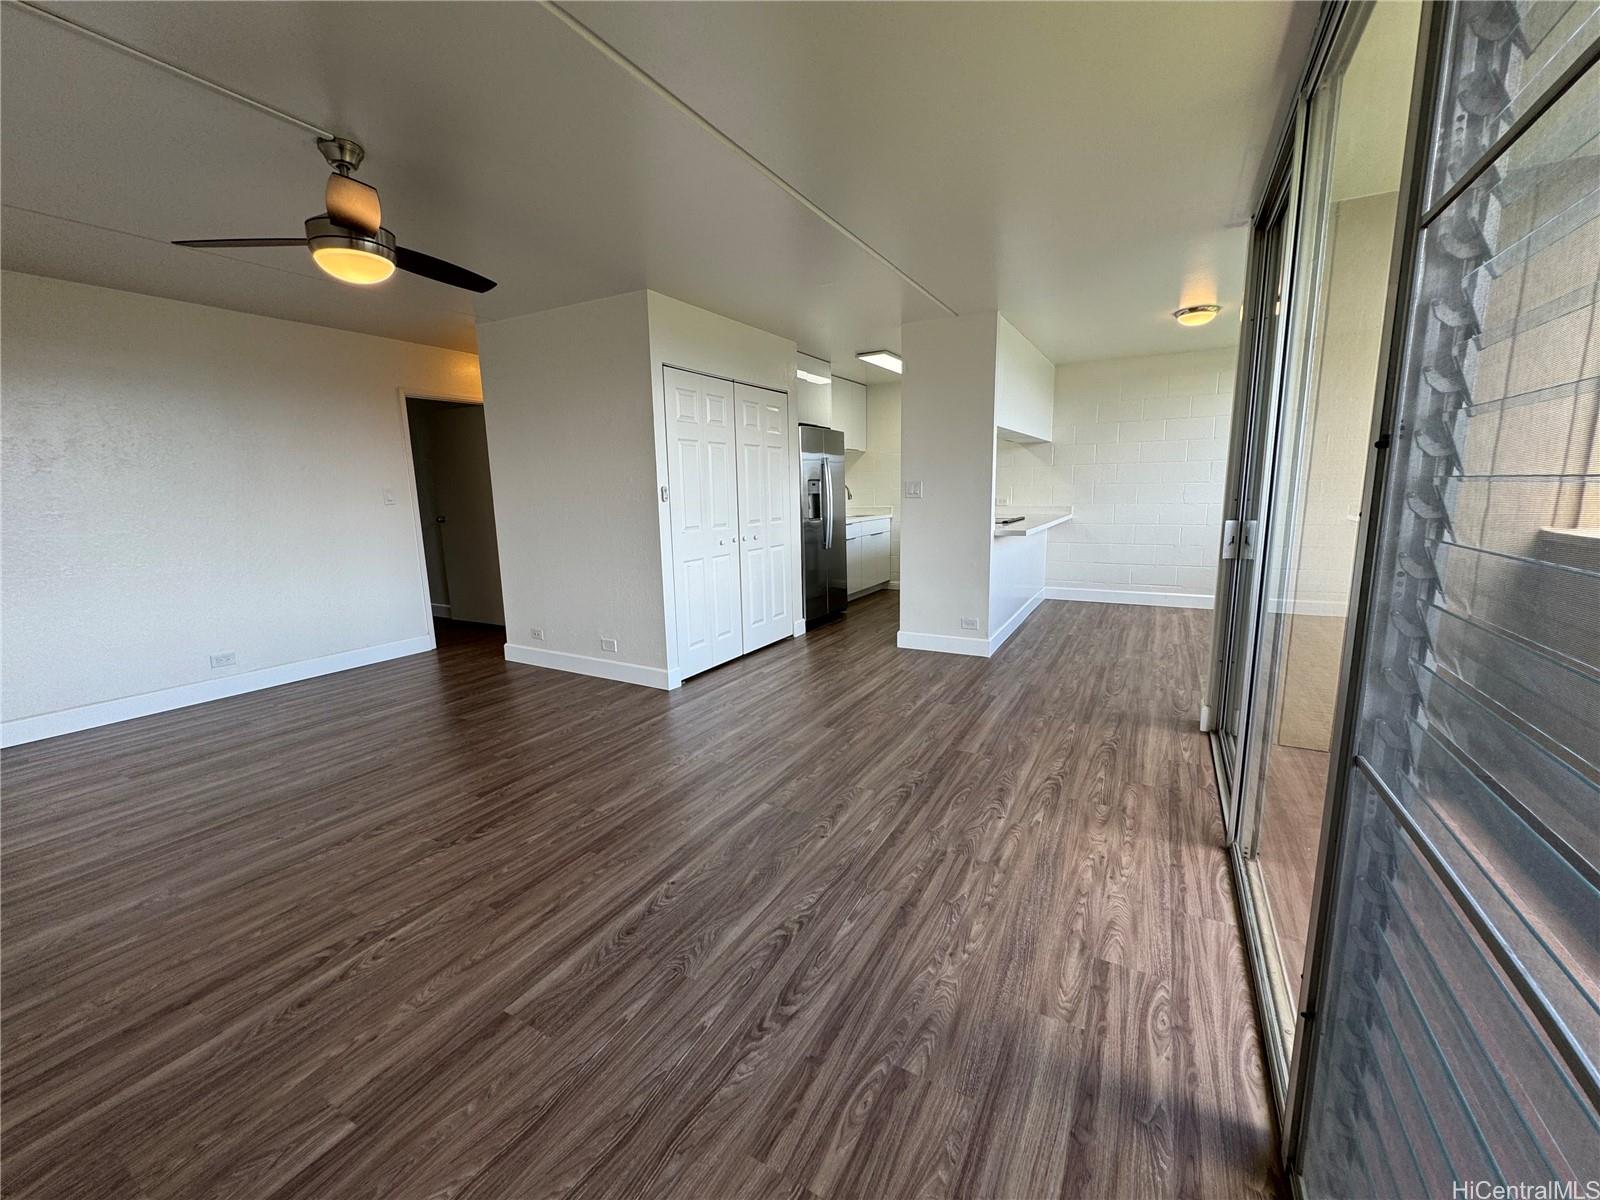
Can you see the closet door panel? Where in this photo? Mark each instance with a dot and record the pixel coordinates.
(703, 500)
(765, 514)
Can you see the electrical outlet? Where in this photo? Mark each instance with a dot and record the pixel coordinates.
(913, 489)
(969, 622)
(223, 660)
(536, 633)
(609, 645)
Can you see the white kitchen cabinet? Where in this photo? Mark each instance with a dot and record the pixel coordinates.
(813, 402)
(1024, 388)
(867, 557)
(850, 412)
(875, 556)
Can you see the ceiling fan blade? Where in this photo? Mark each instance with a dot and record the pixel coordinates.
(353, 204)
(437, 269)
(220, 243)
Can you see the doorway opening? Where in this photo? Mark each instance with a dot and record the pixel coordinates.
(455, 504)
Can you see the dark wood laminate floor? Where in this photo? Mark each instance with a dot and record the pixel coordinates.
(834, 920)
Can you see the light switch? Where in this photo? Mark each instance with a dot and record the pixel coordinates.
(913, 489)
(388, 495)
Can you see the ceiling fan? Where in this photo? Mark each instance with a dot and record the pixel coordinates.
(349, 241)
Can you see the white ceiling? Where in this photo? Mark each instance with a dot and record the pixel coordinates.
(1082, 167)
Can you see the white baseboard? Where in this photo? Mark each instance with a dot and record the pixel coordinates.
(598, 668)
(869, 590)
(942, 643)
(999, 636)
(800, 627)
(109, 712)
(894, 585)
(442, 610)
(1106, 596)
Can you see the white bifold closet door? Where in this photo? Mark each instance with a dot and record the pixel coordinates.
(728, 475)
(703, 498)
(765, 514)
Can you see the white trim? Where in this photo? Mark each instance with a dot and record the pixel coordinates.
(598, 668)
(800, 627)
(999, 636)
(442, 610)
(894, 585)
(109, 712)
(942, 643)
(1106, 596)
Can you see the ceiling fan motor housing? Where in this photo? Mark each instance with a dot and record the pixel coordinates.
(342, 154)
(324, 233)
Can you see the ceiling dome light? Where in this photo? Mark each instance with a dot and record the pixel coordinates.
(349, 255)
(1197, 314)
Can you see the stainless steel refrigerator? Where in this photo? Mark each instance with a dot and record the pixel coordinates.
(822, 554)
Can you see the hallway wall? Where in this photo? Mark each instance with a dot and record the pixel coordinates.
(450, 449)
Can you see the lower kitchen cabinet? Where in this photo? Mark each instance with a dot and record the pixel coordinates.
(867, 558)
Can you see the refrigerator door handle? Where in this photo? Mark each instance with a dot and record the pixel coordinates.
(827, 495)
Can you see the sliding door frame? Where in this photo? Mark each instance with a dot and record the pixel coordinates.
(1237, 617)
(1258, 372)
(1290, 1074)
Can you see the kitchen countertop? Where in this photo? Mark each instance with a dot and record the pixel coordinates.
(1034, 520)
(867, 514)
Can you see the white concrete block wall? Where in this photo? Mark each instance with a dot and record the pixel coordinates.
(1140, 453)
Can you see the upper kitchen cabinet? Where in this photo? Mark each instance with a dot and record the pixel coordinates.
(813, 400)
(850, 412)
(1024, 388)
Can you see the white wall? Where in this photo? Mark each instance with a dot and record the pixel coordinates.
(577, 441)
(947, 442)
(572, 447)
(182, 481)
(694, 339)
(1016, 583)
(1139, 452)
(873, 474)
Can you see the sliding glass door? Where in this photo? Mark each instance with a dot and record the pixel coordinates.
(1300, 486)
(1453, 1029)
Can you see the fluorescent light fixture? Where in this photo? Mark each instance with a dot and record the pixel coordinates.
(810, 376)
(1197, 314)
(887, 359)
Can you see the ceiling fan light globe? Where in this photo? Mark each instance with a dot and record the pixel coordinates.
(350, 265)
(349, 255)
